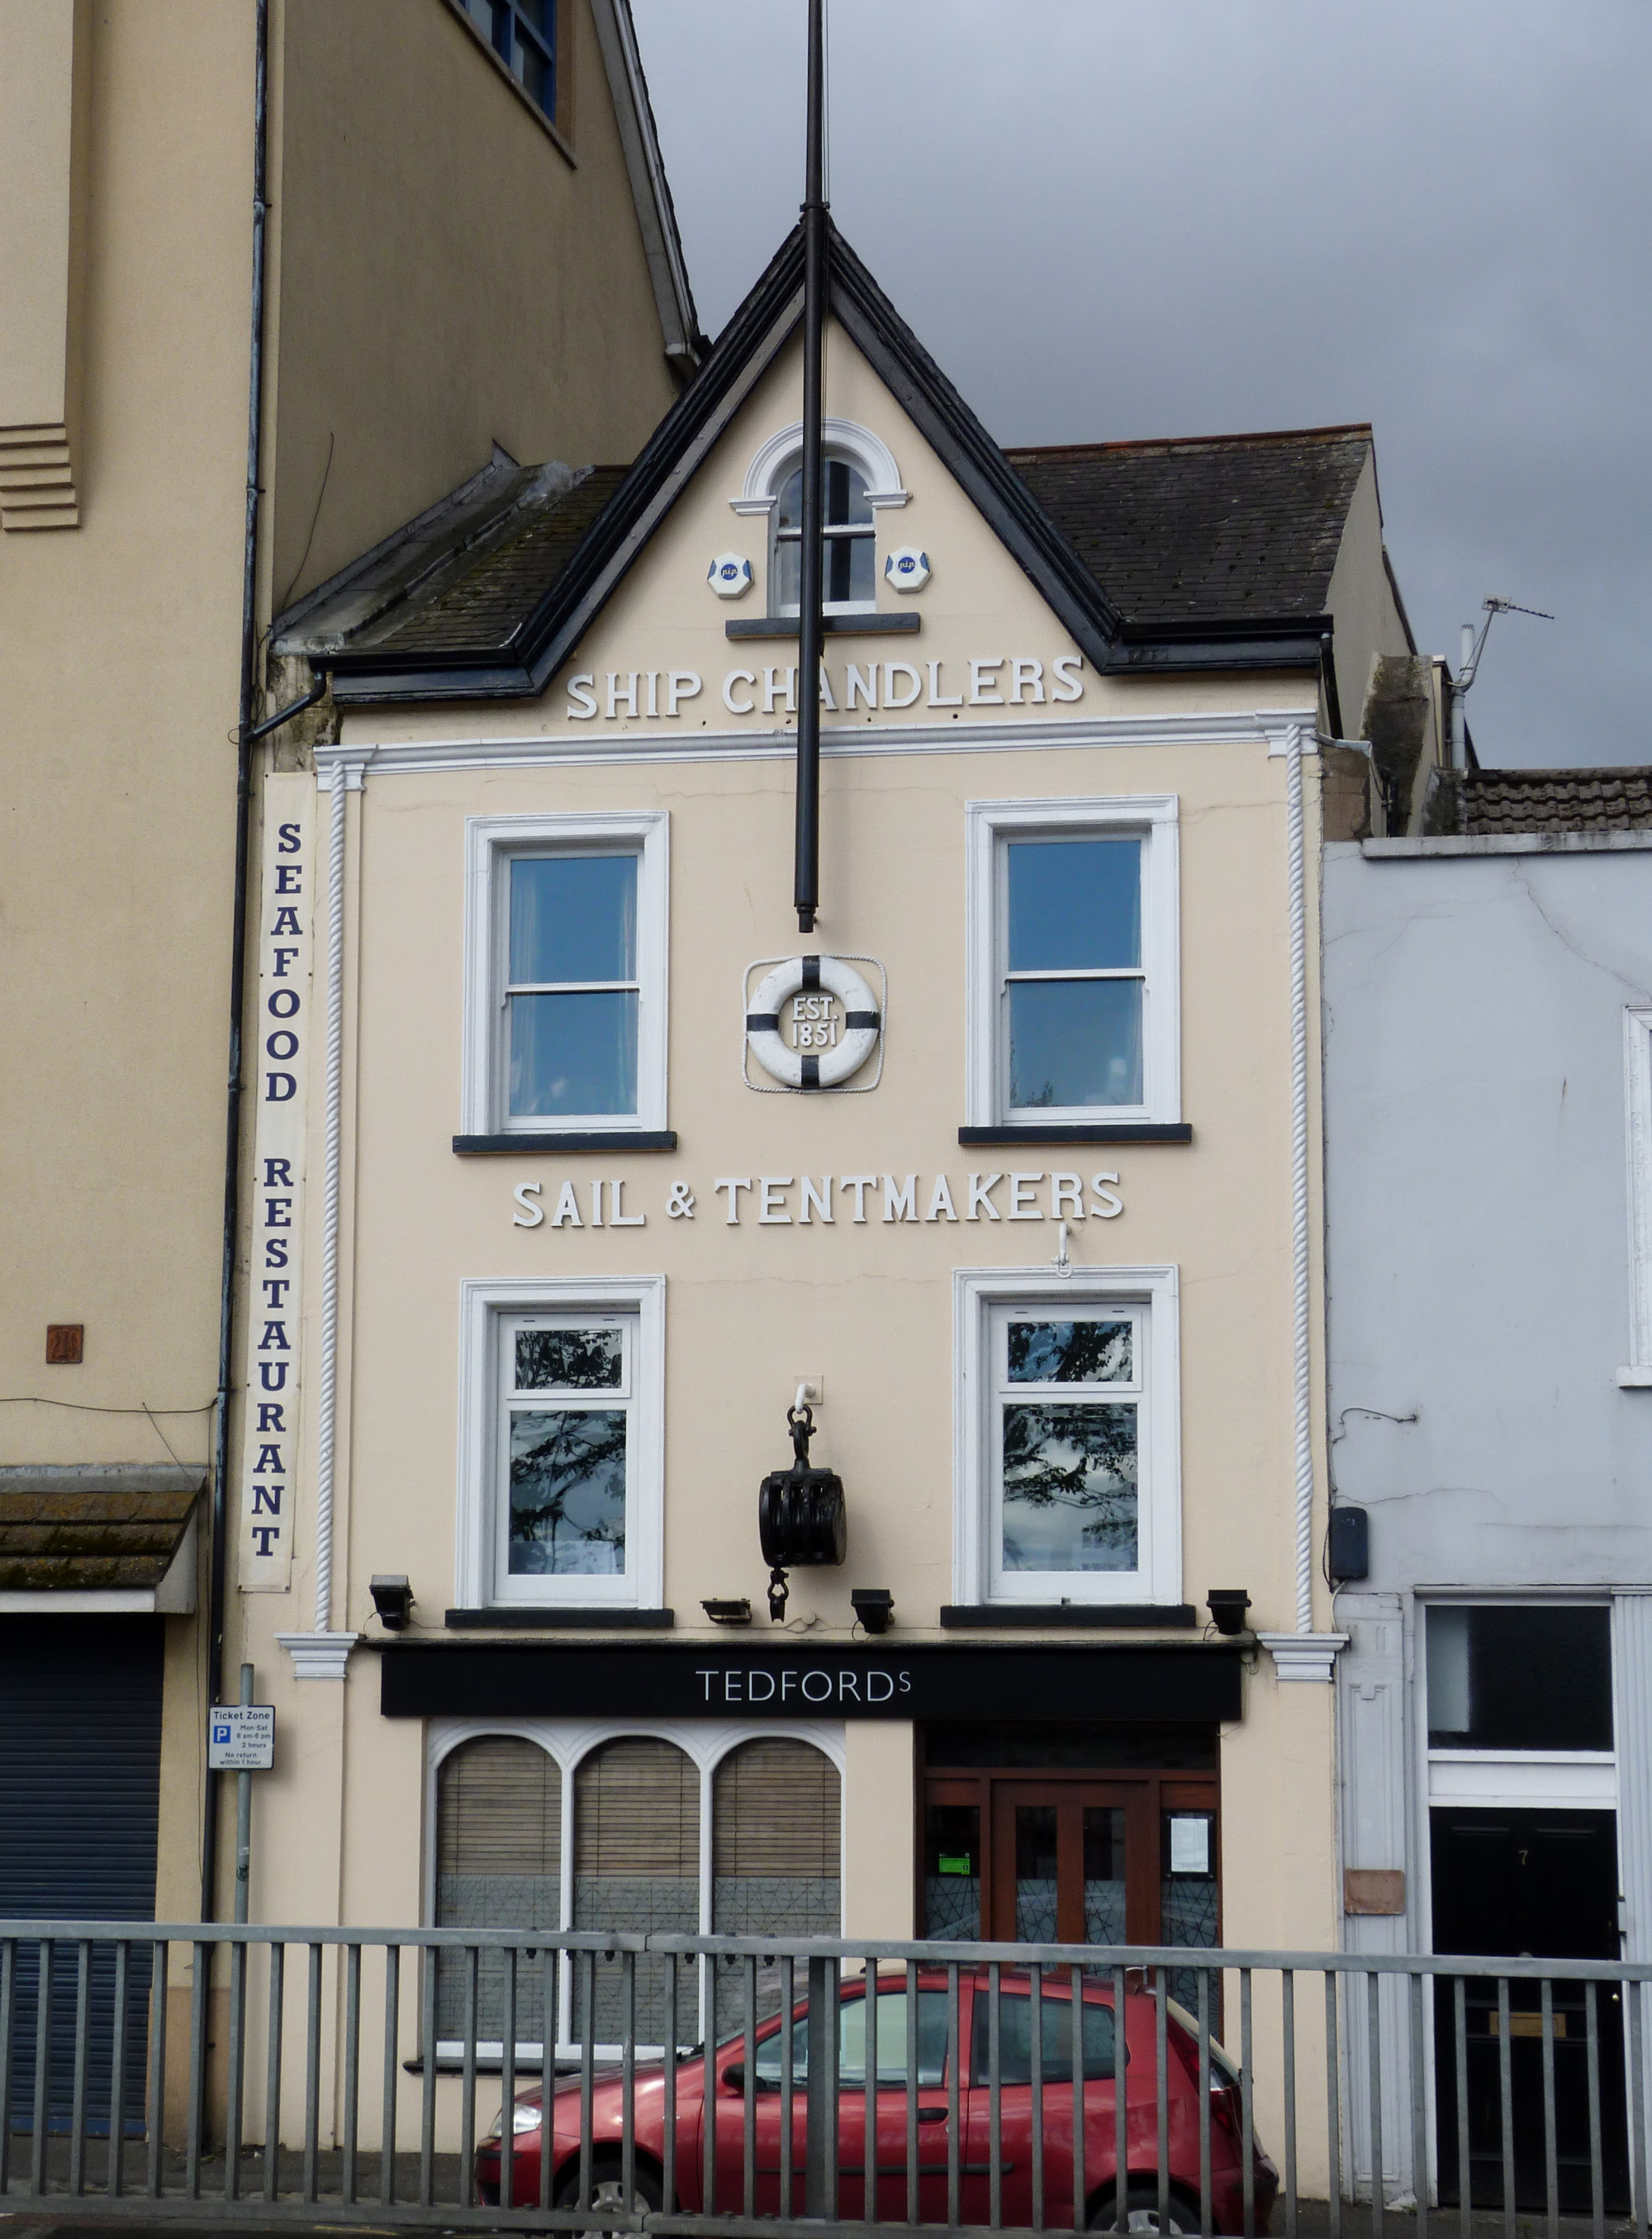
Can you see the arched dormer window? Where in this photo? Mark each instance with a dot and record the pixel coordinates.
(861, 478)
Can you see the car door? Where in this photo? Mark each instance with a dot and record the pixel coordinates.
(1016, 2104)
(930, 2093)
(930, 2097)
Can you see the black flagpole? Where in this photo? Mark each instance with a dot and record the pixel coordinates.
(810, 631)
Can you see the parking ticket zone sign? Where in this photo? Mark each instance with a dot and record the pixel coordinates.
(241, 1738)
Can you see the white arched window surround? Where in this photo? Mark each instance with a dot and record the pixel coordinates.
(705, 1742)
(778, 459)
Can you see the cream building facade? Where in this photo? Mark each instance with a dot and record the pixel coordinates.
(1009, 1174)
(386, 139)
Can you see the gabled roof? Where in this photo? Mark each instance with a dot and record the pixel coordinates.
(1146, 554)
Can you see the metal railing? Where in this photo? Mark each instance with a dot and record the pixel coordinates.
(228, 2073)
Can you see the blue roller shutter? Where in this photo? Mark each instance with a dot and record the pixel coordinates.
(80, 1775)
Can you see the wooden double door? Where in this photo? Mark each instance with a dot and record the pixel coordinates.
(1062, 1856)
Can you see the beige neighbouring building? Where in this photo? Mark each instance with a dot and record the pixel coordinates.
(1010, 1171)
(469, 259)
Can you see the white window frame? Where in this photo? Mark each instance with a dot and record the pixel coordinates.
(484, 1308)
(1154, 1291)
(491, 843)
(990, 825)
(1637, 1135)
(779, 459)
(706, 1742)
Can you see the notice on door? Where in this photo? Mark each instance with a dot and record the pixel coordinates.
(1190, 1843)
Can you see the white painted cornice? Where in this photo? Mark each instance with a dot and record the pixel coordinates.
(1249, 727)
(1304, 1656)
(348, 763)
(318, 1655)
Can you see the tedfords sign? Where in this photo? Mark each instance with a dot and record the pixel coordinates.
(276, 1066)
(1191, 1682)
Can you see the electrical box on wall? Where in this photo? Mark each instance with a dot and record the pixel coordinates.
(1349, 1555)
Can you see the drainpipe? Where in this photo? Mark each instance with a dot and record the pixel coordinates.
(244, 741)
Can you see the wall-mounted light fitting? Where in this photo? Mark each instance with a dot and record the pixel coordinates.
(1227, 1605)
(874, 1606)
(730, 1611)
(393, 1599)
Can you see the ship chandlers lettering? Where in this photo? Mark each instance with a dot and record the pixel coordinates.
(994, 681)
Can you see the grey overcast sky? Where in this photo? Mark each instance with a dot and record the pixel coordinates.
(1118, 218)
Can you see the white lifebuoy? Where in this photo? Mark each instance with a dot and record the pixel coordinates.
(825, 1068)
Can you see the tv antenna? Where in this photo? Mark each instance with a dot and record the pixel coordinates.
(1468, 668)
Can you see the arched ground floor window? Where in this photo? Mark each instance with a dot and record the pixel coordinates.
(695, 1828)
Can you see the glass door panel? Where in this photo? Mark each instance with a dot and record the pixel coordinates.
(1068, 1857)
(1105, 1878)
(953, 1868)
(1037, 1873)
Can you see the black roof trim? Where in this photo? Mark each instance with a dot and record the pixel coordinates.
(970, 455)
(744, 351)
(1171, 656)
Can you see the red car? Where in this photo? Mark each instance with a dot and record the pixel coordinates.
(933, 2098)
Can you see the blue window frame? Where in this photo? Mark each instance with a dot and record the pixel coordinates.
(522, 33)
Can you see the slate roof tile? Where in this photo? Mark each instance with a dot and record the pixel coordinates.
(59, 1540)
(484, 598)
(1213, 529)
(1205, 528)
(1523, 800)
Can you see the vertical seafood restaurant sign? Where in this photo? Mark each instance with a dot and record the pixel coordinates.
(275, 1072)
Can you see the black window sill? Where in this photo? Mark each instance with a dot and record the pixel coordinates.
(867, 625)
(607, 1139)
(1100, 1130)
(562, 1620)
(1023, 1617)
